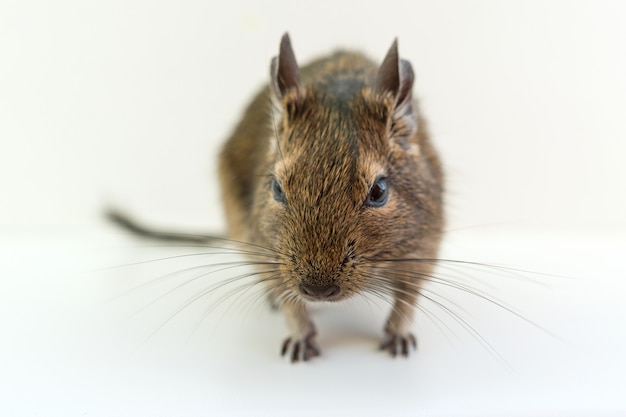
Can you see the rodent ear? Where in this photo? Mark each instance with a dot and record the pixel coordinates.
(284, 70)
(395, 76)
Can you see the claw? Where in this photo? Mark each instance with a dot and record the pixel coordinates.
(286, 344)
(295, 354)
(303, 349)
(398, 344)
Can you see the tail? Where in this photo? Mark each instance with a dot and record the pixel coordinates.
(130, 225)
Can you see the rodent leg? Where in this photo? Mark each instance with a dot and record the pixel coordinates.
(300, 345)
(398, 336)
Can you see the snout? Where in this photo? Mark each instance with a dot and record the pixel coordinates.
(324, 292)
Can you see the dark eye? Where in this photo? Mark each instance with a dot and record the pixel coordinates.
(278, 192)
(377, 196)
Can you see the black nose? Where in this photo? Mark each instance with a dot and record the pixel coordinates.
(320, 292)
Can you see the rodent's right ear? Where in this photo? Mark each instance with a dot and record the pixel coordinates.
(395, 76)
(285, 72)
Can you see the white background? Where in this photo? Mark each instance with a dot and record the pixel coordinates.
(127, 103)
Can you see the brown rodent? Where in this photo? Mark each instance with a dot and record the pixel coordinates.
(336, 177)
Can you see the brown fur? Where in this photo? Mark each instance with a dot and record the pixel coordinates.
(326, 142)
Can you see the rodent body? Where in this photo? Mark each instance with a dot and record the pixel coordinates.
(331, 169)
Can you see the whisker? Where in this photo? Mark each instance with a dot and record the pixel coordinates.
(261, 294)
(463, 323)
(472, 331)
(381, 292)
(242, 289)
(475, 292)
(193, 300)
(392, 287)
(226, 265)
(288, 297)
(430, 315)
(501, 268)
(273, 291)
(433, 318)
(186, 255)
(398, 273)
(218, 285)
(364, 294)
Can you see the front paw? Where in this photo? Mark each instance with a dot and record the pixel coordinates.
(303, 348)
(398, 343)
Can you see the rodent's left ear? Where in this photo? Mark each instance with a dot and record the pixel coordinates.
(284, 71)
(395, 76)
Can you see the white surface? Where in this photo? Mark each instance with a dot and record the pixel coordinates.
(128, 101)
(73, 345)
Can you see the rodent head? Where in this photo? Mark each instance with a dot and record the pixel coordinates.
(346, 181)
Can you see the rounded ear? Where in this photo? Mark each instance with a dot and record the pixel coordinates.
(395, 76)
(284, 70)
